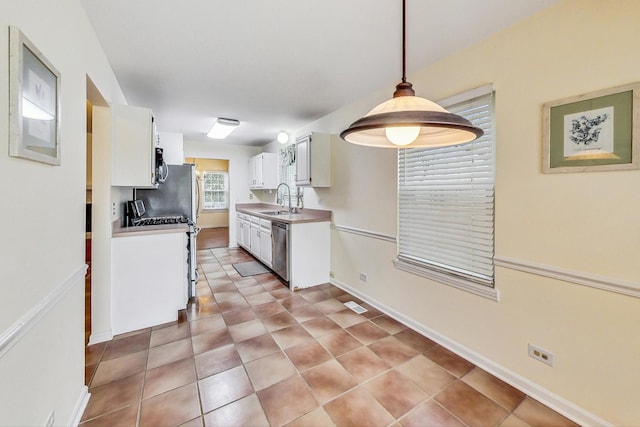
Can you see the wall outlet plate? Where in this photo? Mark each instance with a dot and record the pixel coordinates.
(541, 355)
(363, 277)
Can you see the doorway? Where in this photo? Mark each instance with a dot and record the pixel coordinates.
(97, 220)
(213, 209)
(87, 246)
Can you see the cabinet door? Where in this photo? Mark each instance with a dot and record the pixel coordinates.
(255, 240)
(239, 227)
(265, 247)
(259, 180)
(303, 161)
(246, 231)
(252, 172)
(133, 147)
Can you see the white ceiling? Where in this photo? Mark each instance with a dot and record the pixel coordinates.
(278, 64)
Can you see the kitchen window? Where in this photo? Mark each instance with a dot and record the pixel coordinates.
(215, 190)
(446, 203)
(288, 167)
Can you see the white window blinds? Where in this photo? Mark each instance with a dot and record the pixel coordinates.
(446, 200)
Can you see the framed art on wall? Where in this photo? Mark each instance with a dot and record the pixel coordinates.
(34, 102)
(592, 132)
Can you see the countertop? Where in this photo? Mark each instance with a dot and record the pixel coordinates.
(303, 215)
(118, 231)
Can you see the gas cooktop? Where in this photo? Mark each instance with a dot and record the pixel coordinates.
(161, 220)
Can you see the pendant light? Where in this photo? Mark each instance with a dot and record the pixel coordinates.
(407, 121)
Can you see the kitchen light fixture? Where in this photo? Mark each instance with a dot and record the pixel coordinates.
(283, 137)
(407, 121)
(222, 128)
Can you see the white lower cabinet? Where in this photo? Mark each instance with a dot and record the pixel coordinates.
(239, 228)
(266, 248)
(254, 236)
(148, 280)
(244, 230)
(309, 249)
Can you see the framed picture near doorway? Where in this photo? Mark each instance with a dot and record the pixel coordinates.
(34, 102)
(593, 132)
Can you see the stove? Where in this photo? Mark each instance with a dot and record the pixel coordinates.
(161, 220)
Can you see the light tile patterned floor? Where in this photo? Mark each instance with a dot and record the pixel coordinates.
(248, 352)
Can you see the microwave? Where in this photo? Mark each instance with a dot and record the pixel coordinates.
(162, 171)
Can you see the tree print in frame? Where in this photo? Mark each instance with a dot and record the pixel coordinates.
(34, 102)
(592, 132)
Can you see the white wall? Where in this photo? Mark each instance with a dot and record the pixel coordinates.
(173, 145)
(238, 157)
(42, 226)
(583, 224)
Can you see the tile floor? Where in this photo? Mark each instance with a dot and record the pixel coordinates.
(248, 352)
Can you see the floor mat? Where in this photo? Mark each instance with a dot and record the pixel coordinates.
(250, 268)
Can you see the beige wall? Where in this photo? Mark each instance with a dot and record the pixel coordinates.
(582, 224)
(42, 243)
(210, 218)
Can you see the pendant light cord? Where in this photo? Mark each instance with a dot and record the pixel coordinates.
(404, 88)
(404, 42)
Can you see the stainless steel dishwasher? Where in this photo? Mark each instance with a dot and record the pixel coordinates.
(280, 255)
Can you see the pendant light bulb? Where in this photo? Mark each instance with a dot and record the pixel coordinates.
(283, 137)
(402, 135)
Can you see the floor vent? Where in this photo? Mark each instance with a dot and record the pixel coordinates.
(355, 307)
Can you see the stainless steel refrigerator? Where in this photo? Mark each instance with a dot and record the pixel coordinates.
(178, 195)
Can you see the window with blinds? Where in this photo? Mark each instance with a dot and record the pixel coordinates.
(446, 200)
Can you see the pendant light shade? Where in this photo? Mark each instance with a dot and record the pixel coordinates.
(407, 121)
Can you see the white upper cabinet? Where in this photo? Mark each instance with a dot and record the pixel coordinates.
(133, 143)
(313, 160)
(263, 171)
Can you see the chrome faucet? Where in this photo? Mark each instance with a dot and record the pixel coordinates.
(288, 193)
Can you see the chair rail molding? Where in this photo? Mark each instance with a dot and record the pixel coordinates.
(366, 233)
(580, 278)
(19, 329)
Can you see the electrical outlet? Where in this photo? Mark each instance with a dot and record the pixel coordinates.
(363, 277)
(250, 196)
(113, 208)
(332, 274)
(51, 419)
(541, 355)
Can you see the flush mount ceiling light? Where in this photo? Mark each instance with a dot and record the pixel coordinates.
(283, 137)
(222, 128)
(407, 121)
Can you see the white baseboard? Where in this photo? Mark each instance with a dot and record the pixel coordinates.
(99, 337)
(81, 405)
(552, 400)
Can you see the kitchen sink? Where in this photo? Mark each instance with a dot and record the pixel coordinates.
(275, 213)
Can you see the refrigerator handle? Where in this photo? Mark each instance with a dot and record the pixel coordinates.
(197, 196)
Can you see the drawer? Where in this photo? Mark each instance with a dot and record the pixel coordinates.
(265, 224)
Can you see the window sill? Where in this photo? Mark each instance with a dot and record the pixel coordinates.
(215, 210)
(449, 280)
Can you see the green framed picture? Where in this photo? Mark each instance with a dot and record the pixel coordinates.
(592, 132)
